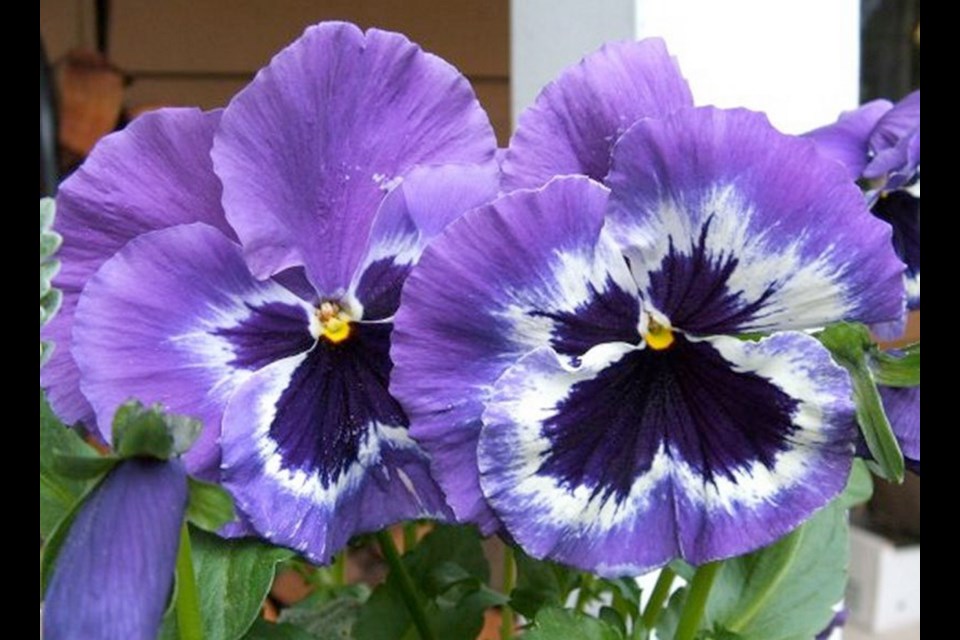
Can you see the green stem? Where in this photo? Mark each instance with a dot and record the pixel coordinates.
(749, 610)
(661, 591)
(509, 581)
(407, 590)
(409, 536)
(585, 595)
(339, 569)
(696, 601)
(189, 620)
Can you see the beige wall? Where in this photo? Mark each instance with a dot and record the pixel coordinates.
(180, 52)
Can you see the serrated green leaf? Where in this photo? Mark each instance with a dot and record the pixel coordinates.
(233, 579)
(49, 305)
(896, 369)
(47, 271)
(50, 241)
(849, 345)
(58, 493)
(47, 210)
(209, 506)
(563, 624)
(788, 589)
(148, 431)
(540, 583)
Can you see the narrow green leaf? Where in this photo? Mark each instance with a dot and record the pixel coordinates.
(84, 467)
(210, 506)
(788, 589)
(859, 485)
(849, 344)
(896, 369)
(563, 624)
(58, 493)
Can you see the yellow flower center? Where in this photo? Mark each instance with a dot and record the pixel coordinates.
(334, 322)
(658, 336)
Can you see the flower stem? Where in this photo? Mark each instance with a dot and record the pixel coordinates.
(407, 590)
(696, 601)
(661, 591)
(339, 569)
(409, 536)
(509, 581)
(189, 620)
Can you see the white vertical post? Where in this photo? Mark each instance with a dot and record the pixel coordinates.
(797, 60)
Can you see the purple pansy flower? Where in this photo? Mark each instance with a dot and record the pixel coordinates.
(114, 572)
(567, 354)
(880, 144)
(269, 316)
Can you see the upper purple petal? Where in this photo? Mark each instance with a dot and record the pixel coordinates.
(577, 118)
(731, 226)
(895, 142)
(175, 317)
(416, 210)
(846, 140)
(154, 174)
(114, 573)
(308, 150)
(531, 269)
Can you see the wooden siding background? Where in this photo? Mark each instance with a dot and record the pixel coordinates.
(200, 52)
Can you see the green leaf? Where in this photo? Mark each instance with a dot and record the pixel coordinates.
(859, 485)
(58, 493)
(540, 583)
(332, 620)
(786, 590)
(263, 630)
(450, 572)
(53, 543)
(49, 243)
(894, 369)
(849, 344)
(47, 209)
(233, 578)
(84, 467)
(49, 305)
(563, 624)
(48, 269)
(210, 506)
(140, 431)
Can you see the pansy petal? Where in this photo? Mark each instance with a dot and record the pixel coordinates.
(416, 210)
(531, 269)
(176, 318)
(731, 226)
(902, 406)
(846, 139)
(576, 119)
(895, 143)
(307, 151)
(703, 451)
(114, 573)
(154, 174)
(315, 450)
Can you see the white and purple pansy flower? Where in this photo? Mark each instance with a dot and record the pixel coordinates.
(879, 143)
(570, 355)
(244, 266)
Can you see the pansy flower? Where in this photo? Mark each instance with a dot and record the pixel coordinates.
(571, 355)
(879, 143)
(244, 266)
